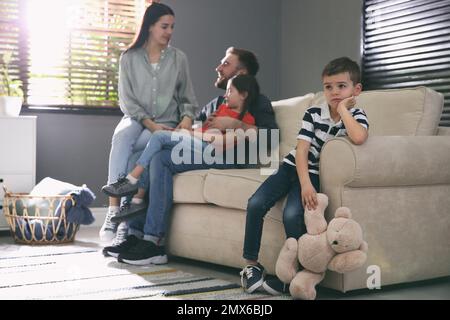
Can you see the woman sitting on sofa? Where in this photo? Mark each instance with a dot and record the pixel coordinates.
(155, 93)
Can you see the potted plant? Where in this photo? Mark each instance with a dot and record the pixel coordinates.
(11, 94)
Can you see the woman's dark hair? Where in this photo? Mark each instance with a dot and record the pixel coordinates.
(249, 84)
(152, 14)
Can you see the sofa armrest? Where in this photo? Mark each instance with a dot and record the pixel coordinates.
(386, 161)
(397, 189)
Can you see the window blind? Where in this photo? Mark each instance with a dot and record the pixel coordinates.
(406, 43)
(9, 38)
(66, 52)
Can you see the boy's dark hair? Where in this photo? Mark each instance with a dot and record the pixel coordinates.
(249, 84)
(341, 65)
(247, 59)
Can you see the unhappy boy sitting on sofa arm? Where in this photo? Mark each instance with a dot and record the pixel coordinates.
(298, 175)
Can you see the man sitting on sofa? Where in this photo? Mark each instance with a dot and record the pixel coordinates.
(145, 241)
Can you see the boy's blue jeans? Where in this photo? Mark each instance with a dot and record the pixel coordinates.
(284, 182)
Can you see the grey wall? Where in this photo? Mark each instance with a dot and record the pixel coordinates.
(313, 32)
(75, 148)
(204, 29)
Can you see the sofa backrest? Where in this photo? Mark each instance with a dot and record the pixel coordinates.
(393, 112)
(400, 112)
(288, 115)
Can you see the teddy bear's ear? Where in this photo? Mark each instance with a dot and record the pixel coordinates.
(343, 212)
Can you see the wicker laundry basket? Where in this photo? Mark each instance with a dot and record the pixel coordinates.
(38, 219)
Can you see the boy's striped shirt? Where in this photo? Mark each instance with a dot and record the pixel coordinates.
(317, 128)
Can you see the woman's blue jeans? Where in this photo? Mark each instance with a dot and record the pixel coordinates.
(284, 182)
(129, 137)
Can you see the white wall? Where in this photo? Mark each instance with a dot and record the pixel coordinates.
(313, 32)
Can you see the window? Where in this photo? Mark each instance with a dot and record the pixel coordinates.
(407, 44)
(66, 52)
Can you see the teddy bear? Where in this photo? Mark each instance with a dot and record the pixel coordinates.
(337, 246)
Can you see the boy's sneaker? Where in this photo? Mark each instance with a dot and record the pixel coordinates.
(109, 228)
(252, 277)
(129, 210)
(144, 253)
(116, 250)
(276, 287)
(121, 188)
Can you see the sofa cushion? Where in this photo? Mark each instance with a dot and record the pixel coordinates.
(236, 187)
(232, 188)
(289, 115)
(188, 187)
(403, 112)
(400, 112)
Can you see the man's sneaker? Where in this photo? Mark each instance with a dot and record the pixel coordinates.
(276, 287)
(116, 250)
(121, 188)
(129, 210)
(144, 253)
(109, 228)
(252, 277)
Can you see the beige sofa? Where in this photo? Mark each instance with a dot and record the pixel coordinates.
(397, 185)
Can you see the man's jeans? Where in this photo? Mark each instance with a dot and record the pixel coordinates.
(161, 172)
(284, 182)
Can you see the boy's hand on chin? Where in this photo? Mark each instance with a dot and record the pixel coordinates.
(347, 103)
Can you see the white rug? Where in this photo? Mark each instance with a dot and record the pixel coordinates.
(81, 272)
